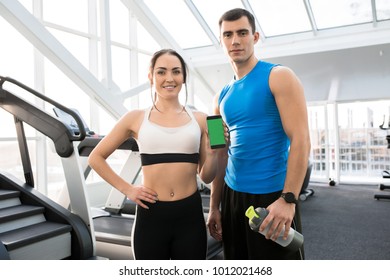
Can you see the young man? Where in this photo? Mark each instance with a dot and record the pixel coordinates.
(265, 110)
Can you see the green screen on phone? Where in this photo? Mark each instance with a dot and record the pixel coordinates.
(216, 131)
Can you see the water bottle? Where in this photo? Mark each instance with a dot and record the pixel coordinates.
(256, 216)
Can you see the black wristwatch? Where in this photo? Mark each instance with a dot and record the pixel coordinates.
(289, 197)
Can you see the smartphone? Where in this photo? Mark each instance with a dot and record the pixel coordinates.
(216, 132)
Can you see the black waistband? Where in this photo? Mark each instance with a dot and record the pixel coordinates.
(148, 159)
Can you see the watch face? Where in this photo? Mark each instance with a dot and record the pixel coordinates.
(289, 197)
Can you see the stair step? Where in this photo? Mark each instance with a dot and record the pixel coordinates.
(9, 198)
(42, 241)
(15, 217)
(20, 211)
(34, 233)
(5, 194)
(54, 248)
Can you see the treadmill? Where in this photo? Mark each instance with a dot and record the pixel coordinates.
(32, 226)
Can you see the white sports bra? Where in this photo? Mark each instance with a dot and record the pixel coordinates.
(160, 144)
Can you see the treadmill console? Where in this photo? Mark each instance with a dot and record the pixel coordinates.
(70, 122)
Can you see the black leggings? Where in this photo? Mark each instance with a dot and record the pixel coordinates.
(170, 230)
(239, 241)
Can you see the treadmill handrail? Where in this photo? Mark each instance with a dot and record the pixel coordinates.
(42, 121)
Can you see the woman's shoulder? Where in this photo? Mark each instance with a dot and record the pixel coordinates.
(200, 117)
(136, 113)
(133, 117)
(198, 114)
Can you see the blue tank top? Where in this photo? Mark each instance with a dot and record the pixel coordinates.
(259, 146)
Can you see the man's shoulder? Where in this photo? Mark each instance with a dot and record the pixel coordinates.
(281, 70)
(267, 64)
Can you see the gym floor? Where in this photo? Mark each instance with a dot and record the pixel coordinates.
(345, 222)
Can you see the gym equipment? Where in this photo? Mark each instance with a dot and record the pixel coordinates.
(385, 173)
(31, 225)
(332, 182)
(305, 192)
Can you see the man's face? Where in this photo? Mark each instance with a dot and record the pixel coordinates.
(238, 40)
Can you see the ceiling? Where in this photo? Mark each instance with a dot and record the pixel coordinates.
(324, 42)
(340, 49)
(274, 18)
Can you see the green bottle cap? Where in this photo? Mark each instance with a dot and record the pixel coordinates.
(251, 213)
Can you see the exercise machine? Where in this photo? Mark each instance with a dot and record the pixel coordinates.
(31, 225)
(385, 173)
(305, 192)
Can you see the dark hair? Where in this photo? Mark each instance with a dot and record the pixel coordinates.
(161, 52)
(236, 14)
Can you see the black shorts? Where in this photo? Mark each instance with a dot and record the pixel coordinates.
(239, 241)
(170, 230)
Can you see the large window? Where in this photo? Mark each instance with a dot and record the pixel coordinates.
(319, 140)
(363, 146)
(357, 150)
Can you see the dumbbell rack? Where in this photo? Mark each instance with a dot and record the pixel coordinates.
(385, 173)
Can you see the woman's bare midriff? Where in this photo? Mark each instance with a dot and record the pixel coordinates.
(171, 180)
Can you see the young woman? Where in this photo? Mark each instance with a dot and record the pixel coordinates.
(174, 148)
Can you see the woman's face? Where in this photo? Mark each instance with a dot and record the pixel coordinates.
(167, 76)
